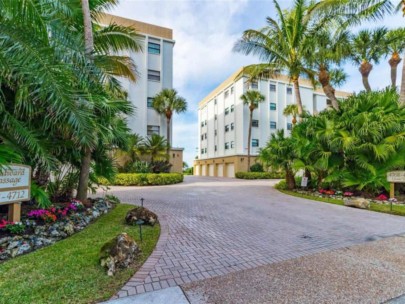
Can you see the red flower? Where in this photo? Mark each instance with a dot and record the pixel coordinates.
(382, 197)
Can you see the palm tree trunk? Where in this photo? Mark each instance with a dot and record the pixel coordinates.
(84, 175)
(324, 79)
(168, 120)
(365, 69)
(249, 138)
(402, 95)
(298, 97)
(289, 176)
(394, 61)
(86, 158)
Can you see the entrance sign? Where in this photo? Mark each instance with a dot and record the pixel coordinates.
(15, 187)
(304, 181)
(15, 184)
(395, 177)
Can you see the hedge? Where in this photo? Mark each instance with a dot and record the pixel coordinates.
(144, 179)
(259, 175)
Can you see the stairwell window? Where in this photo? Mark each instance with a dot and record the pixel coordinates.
(273, 106)
(273, 87)
(227, 146)
(232, 144)
(255, 142)
(289, 126)
(254, 85)
(273, 125)
(227, 128)
(153, 75)
(255, 123)
(153, 130)
(149, 102)
(226, 111)
(153, 48)
(232, 108)
(232, 126)
(289, 90)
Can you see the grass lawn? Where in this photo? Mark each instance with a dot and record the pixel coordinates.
(396, 209)
(69, 271)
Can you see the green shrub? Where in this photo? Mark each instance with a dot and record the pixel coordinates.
(259, 175)
(257, 167)
(144, 179)
(281, 185)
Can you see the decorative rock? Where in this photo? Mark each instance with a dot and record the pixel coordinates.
(5, 240)
(69, 228)
(118, 253)
(358, 203)
(23, 249)
(13, 245)
(141, 213)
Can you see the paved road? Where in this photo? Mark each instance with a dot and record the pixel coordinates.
(218, 226)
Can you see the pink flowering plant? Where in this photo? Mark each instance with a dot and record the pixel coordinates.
(348, 194)
(382, 197)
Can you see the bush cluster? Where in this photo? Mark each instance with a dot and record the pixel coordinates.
(144, 179)
(259, 175)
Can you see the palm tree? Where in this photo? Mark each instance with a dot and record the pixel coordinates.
(396, 44)
(367, 48)
(166, 103)
(293, 111)
(329, 49)
(252, 99)
(279, 154)
(284, 44)
(155, 146)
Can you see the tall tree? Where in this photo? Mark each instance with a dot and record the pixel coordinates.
(367, 48)
(166, 103)
(396, 44)
(285, 42)
(155, 146)
(252, 99)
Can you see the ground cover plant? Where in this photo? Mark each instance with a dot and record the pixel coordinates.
(69, 271)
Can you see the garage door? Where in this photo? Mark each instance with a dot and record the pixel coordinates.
(204, 170)
(230, 170)
(211, 170)
(220, 170)
(197, 170)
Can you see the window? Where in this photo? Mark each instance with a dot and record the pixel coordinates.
(202, 151)
(205, 150)
(273, 87)
(289, 90)
(205, 122)
(215, 148)
(215, 117)
(254, 85)
(153, 75)
(255, 123)
(232, 90)
(226, 111)
(273, 125)
(202, 137)
(273, 106)
(232, 126)
(215, 132)
(149, 102)
(232, 108)
(232, 144)
(215, 101)
(255, 142)
(226, 145)
(153, 48)
(153, 130)
(227, 128)
(226, 93)
(205, 135)
(289, 126)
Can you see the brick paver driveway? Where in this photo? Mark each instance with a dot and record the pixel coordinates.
(217, 226)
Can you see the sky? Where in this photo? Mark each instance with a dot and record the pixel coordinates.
(205, 32)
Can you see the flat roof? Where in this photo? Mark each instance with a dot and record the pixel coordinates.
(140, 27)
(239, 73)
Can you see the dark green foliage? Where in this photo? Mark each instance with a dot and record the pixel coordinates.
(148, 179)
(256, 167)
(259, 175)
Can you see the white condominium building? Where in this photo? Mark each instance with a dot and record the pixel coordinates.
(224, 120)
(155, 70)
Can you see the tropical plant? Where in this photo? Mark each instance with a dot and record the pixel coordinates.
(166, 103)
(285, 43)
(291, 110)
(279, 154)
(367, 48)
(396, 45)
(252, 99)
(155, 146)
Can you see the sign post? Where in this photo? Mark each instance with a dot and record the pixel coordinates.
(15, 187)
(395, 177)
(304, 182)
